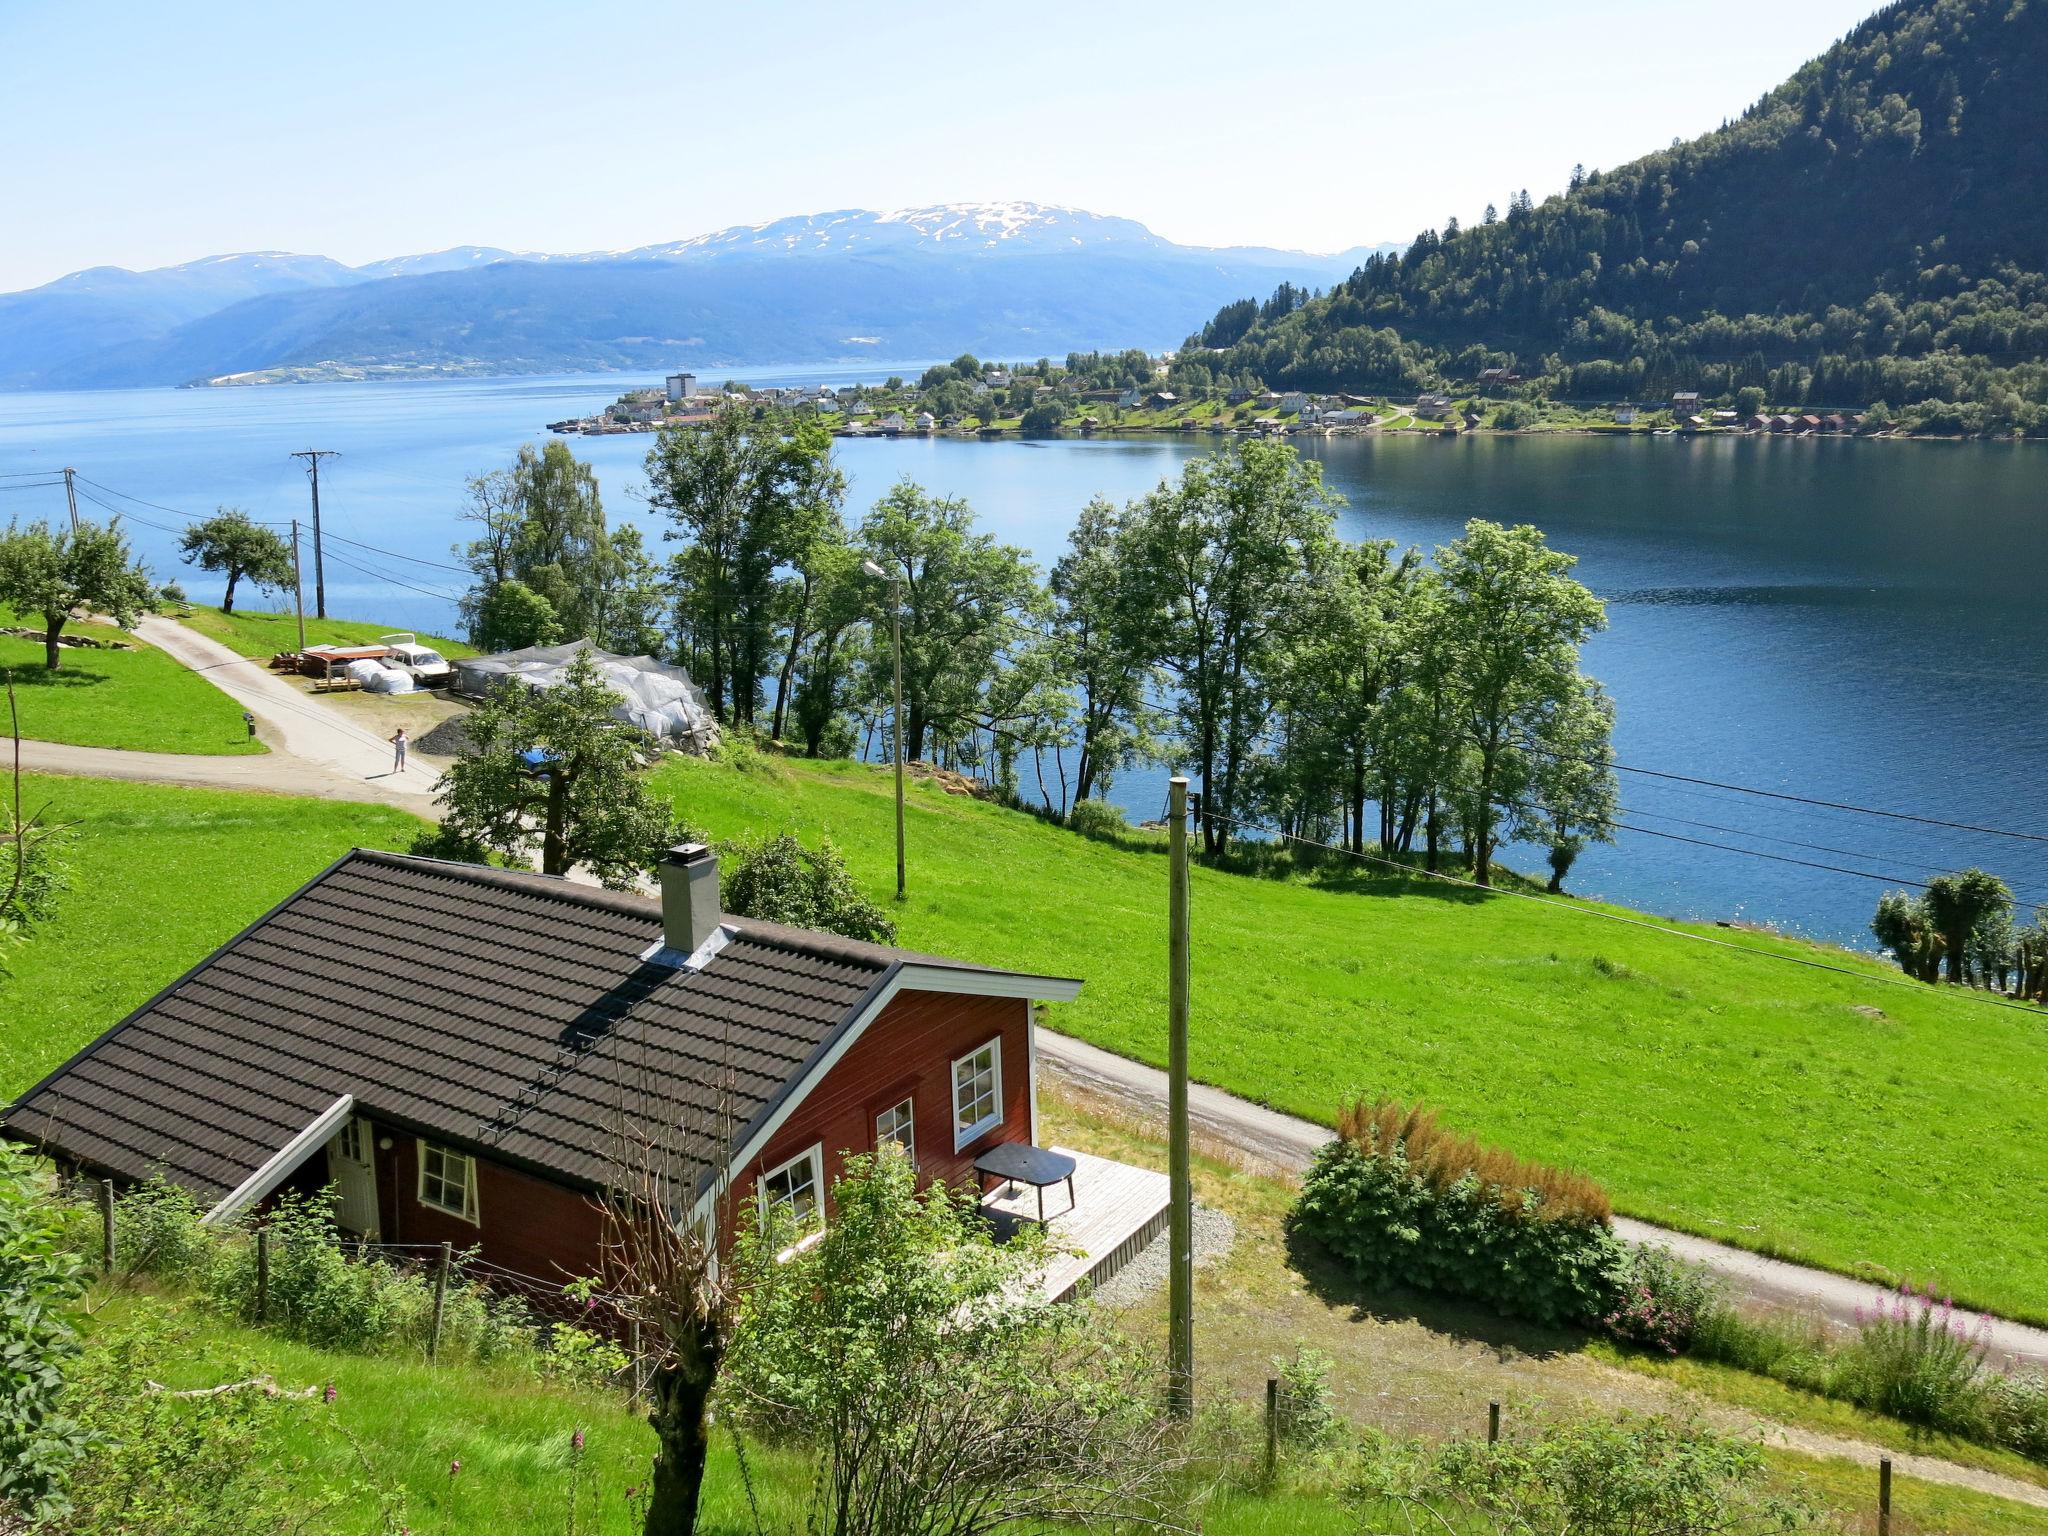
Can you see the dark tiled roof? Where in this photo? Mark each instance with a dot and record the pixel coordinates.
(505, 1011)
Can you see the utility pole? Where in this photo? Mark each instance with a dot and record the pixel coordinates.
(298, 587)
(313, 456)
(71, 495)
(896, 735)
(1180, 1273)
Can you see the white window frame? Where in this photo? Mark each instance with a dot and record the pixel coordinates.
(469, 1211)
(809, 1226)
(906, 1138)
(963, 1134)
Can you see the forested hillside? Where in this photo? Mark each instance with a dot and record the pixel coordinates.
(1873, 229)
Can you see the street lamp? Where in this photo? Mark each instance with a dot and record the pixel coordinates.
(896, 734)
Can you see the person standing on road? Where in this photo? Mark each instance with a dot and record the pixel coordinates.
(398, 745)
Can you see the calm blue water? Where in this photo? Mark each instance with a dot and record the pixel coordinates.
(1859, 622)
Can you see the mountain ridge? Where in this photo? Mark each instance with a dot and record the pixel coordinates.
(1872, 229)
(702, 300)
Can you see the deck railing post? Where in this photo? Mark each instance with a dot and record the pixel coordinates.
(1493, 1423)
(1884, 1496)
(106, 1193)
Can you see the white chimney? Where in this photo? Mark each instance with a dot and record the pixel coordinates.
(689, 897)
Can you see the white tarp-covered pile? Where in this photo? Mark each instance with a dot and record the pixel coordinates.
(658, 698)
(377, 678)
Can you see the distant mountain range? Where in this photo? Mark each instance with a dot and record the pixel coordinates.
(1005, 280)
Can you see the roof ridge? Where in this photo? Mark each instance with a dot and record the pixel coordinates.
(631, 902)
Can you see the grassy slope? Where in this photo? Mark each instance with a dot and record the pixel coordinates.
(266, 634)
(160, 875)
(140, 699)
(1751, 1101)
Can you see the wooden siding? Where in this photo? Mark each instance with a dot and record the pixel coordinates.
(908, 1053)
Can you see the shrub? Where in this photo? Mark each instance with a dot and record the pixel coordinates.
(778, 880)
(1915, 1360)
(40, 1440)
(157, 1232)
(1308, 1415)
(1403, 1201)
(1098, 819)
(2016, 1408)
(1663, 1300)
(1587, 1477)
(581, 1358)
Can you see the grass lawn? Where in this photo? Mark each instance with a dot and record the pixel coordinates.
(266, 634)
(141, 699)
(1845, 1122)
(160, 876)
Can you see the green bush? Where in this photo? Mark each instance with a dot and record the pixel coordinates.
(1402, 1202)
(778, 880)
(1915, 1360)
(40, 1439)
(1098, 819)
(1308, 1414)
(1582, 1477)
(1663, 1300)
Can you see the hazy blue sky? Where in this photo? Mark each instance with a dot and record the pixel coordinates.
(145, 134)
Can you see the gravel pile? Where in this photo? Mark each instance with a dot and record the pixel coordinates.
(1146, 1273)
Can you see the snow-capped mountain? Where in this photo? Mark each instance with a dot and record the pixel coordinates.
(1001, 278)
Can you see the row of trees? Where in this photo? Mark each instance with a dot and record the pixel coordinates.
(1963, 926)
(1332, 690)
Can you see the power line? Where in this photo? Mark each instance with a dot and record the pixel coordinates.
(386, 576)
(1773, 794)
(439, 565)
(1611, 917)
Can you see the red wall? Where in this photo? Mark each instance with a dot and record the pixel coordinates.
(908, 1052)
(553, 1233)
(524, 1223)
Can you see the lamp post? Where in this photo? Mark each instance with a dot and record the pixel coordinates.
(896, 733)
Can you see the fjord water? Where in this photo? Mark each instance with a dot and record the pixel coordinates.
(1861, 622)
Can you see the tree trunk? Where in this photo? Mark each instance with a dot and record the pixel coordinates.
(796, 640)
(1430, 834)
(227, 601)
(678, 1417)
(554, 853)
(52, 628)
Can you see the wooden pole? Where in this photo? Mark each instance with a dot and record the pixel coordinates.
(299, 589)
(106, 1226)
(440, 1300)
(896, 645)
(1493, 1423)
(1272, 1425)
(263, 1274)
(1180, 1328)
(1884, 1496)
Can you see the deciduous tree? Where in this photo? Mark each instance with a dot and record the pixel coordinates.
(233, 545)
(577, 800)
(49, 573)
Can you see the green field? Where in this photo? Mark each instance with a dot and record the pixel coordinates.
(1844, 1121)
(267, 634)
(141, 700)
(160, 876)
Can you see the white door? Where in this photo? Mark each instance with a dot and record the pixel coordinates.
(355, 1178)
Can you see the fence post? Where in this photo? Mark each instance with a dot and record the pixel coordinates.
(106, 1226)
(1272, 1425)
(263, 1274)
(440, 1301)
(1493, 1423)
(639, 1360)
(1884, 1496)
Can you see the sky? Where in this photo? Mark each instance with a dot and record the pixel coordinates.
(143, 135)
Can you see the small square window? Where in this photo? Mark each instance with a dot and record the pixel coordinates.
(795, 1188)
(897, 1124)
(448, 1181)
(977, 1093)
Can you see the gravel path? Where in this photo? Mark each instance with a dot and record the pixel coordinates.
(1214, 1232)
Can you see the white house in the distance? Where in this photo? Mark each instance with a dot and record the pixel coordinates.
(681, 387)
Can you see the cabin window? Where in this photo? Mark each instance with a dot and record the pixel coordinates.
(977, 1093)
(796, 1188)
(448, 1181)
(897, 1124)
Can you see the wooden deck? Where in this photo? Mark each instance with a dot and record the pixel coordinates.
(1117, 1210)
